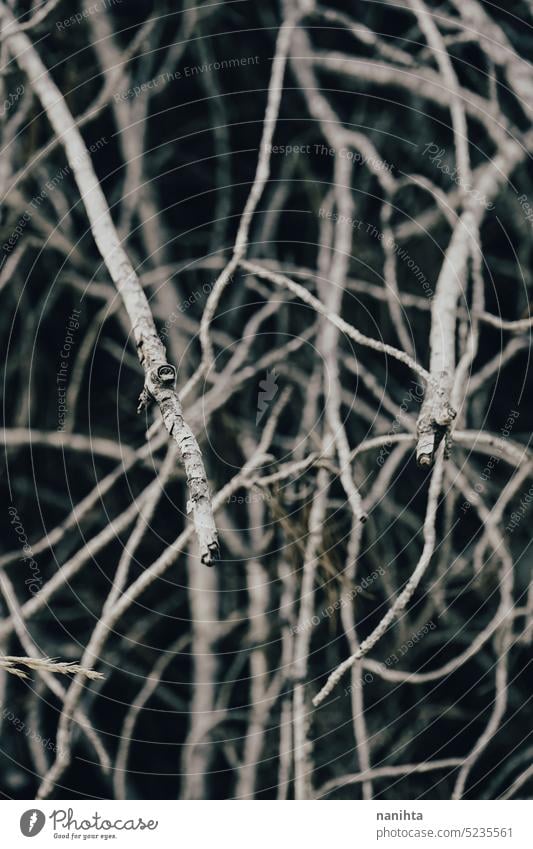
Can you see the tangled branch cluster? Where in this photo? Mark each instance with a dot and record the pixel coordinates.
(302, 236)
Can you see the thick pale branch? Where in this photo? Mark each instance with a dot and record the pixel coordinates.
(160, 376)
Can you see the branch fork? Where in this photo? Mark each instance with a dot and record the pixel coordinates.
(434, 422)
